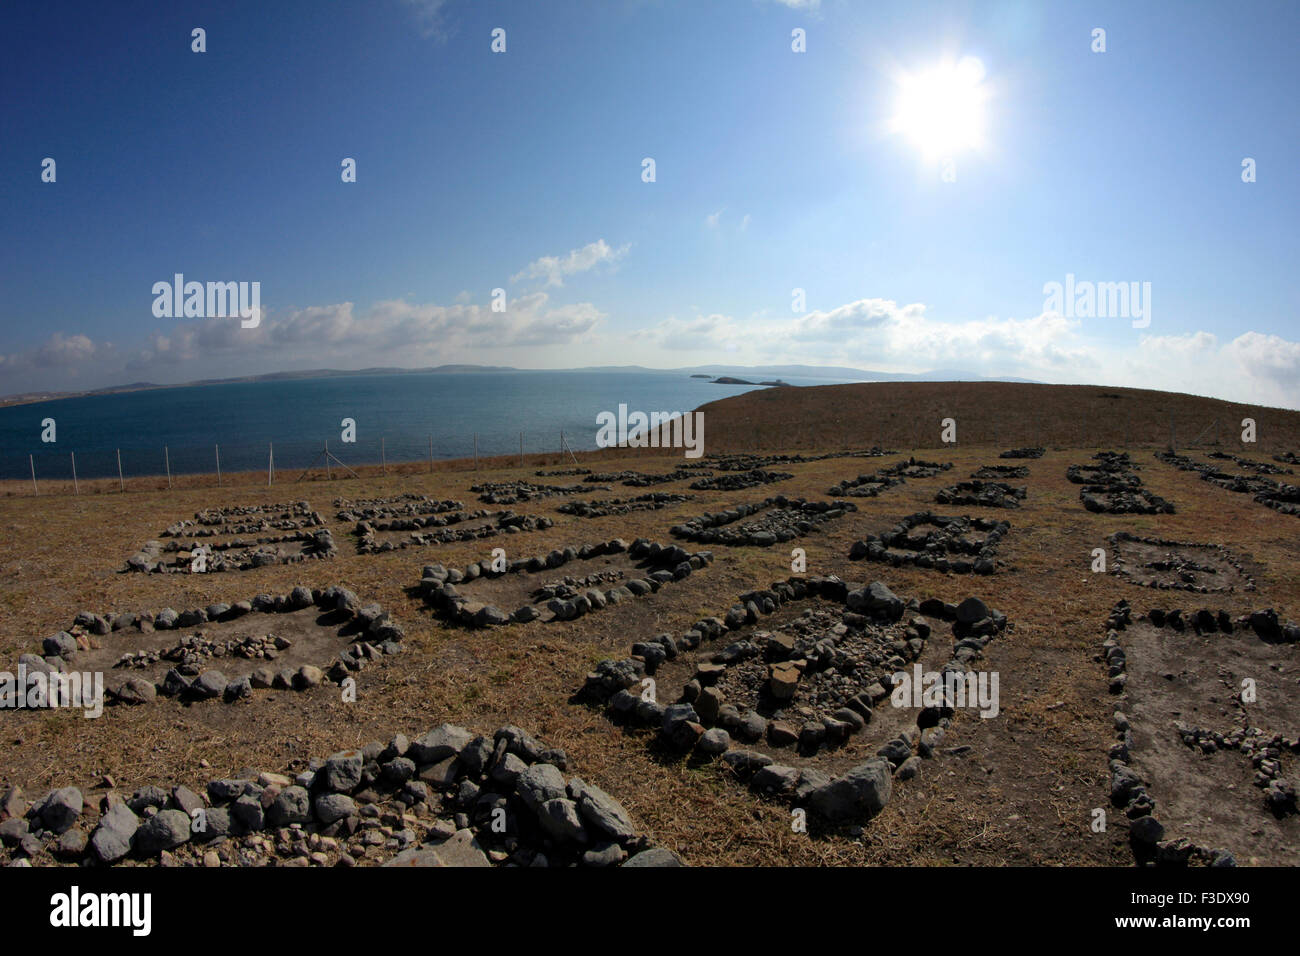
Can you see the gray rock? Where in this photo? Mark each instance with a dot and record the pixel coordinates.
(438, 744)
(342, 771)
(165, 830)
(559, 818)
(334, 806)
(460, 849)
(112, 838)
(291, 805)
(601, 810)
(655, 856)
(863, 791)
(60, 810)
(539, 783)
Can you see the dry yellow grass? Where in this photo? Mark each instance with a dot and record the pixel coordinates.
(1023, 796)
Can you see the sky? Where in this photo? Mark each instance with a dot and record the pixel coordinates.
(896, 187)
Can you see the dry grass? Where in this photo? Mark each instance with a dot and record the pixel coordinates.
(1023, 796)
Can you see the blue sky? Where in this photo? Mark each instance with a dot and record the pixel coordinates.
(775, 171)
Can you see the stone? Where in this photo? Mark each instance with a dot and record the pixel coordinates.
(783, 680)
(342, 771)
(971, 611)
(112, 838)
(655, 856)
(601, 810)
(460, 849)
(863, 791)
(334, 806)
(559, 818)
(714, 742)
(538, 784)
(60, 809)
(291, 805)
(442, 742)
(165, 830)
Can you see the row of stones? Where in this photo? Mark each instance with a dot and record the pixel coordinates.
(862, 791)
(640, 479)
(1264, 750)
(790, 518)
(868, 486)
(1128, 791)
(438, 584)
(1223, 554)
(407, 505)
(602, 507)
(235, 554)
(246, 519)
(1023, 453)
(1112, 487)
(513, 492)
(985, 494)
(1275, 494)
(501, 522)
(936, 549)
(382, 636)
(740, 480)
(448, 798)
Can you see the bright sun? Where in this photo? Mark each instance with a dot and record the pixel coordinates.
(941, 109)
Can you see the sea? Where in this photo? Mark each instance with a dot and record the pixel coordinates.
(401, 417)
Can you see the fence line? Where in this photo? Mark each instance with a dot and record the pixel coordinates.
(895, 433)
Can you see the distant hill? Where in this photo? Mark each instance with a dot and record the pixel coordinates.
(906, 415)
(725, 374)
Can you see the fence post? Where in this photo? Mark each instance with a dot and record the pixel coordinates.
(167, 463)
(270, 464)
(76, 489)
(121, 485)
(32, 460)
(217, 449)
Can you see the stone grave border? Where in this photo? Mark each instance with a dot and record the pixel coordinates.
(505, 522)
(712, 526)
(378, 635)
(604, 507)
(1128, 791)
(1118, 564)
(550, 821)
(860, 792)
(874, 547)
(979, 493)
(438, 584)
(150, 558)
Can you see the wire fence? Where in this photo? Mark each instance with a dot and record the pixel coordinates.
(51, 471)
(272, 463)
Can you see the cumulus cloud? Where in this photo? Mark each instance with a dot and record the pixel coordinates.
(712, 219)
(554, 269)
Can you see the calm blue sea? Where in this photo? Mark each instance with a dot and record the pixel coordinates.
(299, 416)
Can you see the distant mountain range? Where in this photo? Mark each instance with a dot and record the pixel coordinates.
(766, 372)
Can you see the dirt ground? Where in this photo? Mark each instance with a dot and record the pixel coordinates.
(1022, 794)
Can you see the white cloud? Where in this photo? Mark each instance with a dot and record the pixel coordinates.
(554, 269)
(429, 16)
(712, 219)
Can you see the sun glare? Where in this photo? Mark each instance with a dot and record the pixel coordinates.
(940, 110)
